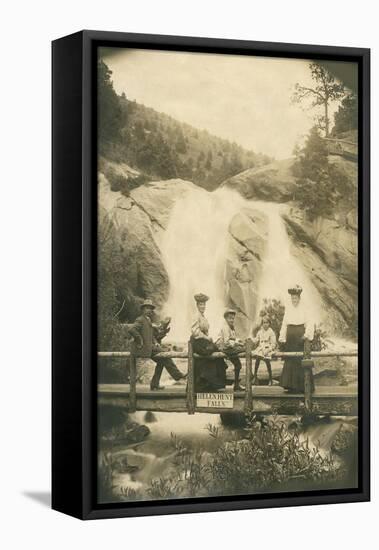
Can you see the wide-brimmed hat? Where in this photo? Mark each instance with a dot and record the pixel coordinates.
(295, 290)
(201, 298)
(229, 312)
(147, 303)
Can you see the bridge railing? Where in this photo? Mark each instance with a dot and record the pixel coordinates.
(306, 356)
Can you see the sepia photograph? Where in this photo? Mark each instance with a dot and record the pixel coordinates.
(227, 275)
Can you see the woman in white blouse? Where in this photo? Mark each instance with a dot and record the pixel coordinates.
(297, 329)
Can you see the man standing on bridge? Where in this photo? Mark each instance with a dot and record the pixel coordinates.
(147, 344)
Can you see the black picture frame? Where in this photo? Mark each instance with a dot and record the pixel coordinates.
(74, 206)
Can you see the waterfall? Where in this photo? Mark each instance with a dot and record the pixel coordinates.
(194, 249)
(281, 269)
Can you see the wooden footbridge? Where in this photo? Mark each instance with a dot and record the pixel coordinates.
(325, 400)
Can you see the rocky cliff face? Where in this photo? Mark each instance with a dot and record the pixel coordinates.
(129, 233)
(328, 251)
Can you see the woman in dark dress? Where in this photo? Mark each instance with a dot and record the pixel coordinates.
(210, 374)
(296, 332)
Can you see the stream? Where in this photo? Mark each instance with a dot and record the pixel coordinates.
(153, 458)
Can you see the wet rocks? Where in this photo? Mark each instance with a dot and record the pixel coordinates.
(121, 465)
(150, 417)
(116, 428)
(345, 439)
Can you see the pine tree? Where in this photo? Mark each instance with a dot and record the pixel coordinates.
(325, 90)
(319, 184)
(112, 113)
(346, 118)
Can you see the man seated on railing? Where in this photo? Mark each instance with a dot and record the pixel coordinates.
(147, 338)
(228, 343)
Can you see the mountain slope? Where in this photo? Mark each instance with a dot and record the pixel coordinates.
(162, 148)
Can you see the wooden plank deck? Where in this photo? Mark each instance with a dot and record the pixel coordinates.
(337, 400)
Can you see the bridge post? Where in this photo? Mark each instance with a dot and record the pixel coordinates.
(248, 386)
(307, 365)
(190, 381)
(133, 383)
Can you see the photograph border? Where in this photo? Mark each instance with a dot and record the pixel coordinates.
(75, 266)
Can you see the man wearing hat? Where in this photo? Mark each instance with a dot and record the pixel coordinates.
(228, 342)
(147, 338)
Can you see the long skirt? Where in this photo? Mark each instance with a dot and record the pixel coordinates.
(210, 374)
(292, 377)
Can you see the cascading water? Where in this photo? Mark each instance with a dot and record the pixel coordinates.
(194, 250)
(280, 269)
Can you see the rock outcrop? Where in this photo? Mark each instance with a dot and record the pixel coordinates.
(272, 182)
(129, 231)
(248, 240)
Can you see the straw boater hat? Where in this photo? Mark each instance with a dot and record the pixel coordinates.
(297, 290)
(229, 312)
(201, 298)
(147, 303)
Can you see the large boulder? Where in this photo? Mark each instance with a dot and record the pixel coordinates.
(248, 240)
(157, 198)
(272, 182)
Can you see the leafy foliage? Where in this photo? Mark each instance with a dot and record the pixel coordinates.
(274, 310)
(319, 183)
(105, 477)
(271, 456)
(113, 299)
(319, 341)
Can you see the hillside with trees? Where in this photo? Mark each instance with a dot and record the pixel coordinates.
(161, 147)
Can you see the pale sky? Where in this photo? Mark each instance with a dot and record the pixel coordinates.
(241, 98)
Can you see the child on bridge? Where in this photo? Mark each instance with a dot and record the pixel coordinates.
(266, 344)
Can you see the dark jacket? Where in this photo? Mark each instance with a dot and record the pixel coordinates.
(143, 333)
